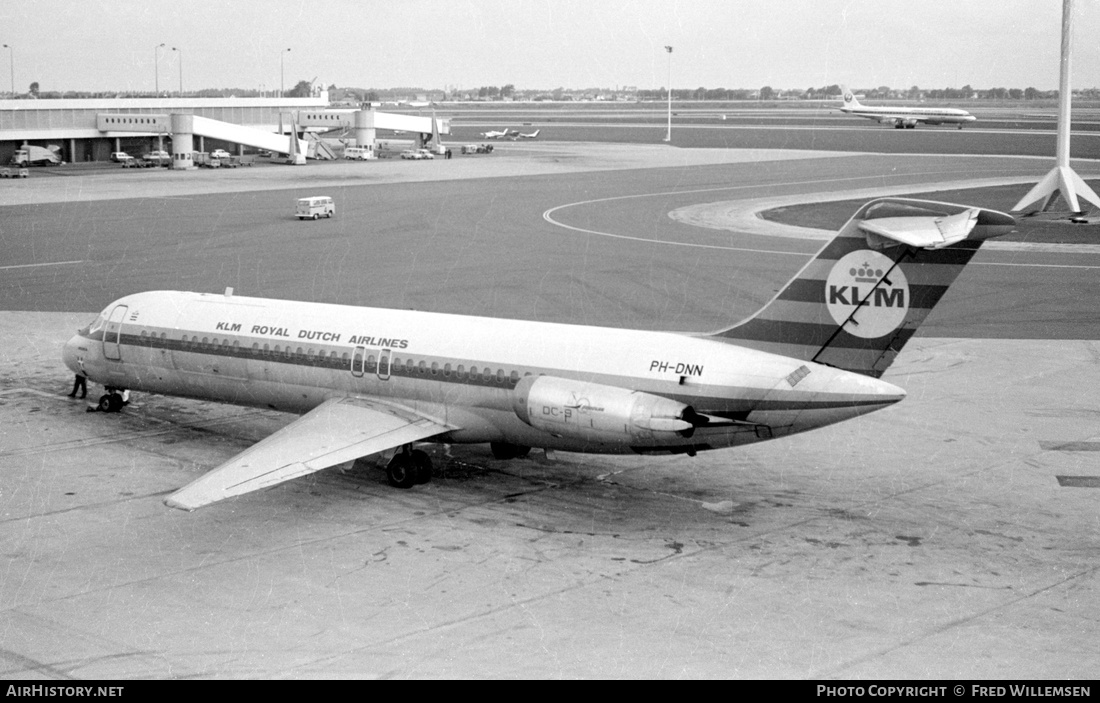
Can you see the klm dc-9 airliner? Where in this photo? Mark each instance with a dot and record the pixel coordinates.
(368, 381)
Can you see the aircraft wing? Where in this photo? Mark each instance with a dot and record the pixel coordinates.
(923, 232)
(338, 430)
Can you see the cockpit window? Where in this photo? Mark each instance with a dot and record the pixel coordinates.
(98, 324)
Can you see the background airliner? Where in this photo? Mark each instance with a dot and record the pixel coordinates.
(904, 117)
(372, 381)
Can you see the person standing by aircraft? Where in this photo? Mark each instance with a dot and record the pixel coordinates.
(80, 383)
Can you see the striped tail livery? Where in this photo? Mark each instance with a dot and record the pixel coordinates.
(856, 304)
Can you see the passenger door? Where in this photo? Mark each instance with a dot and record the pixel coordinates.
(112, 334)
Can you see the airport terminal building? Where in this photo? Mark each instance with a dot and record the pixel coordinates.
(136, 125)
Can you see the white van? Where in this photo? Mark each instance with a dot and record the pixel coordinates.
(358, 153)
(315, 206)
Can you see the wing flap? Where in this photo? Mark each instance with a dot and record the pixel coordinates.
(338, 430)
(924, 232)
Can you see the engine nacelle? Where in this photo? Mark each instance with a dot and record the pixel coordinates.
(593, 411)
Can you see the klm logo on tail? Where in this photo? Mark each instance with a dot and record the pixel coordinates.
(865, 293)
(857, 281)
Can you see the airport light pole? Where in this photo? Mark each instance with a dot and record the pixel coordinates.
(181, 69)
(156, 67)
(668, 135)
(1062, 179)
(281, 82)
(11, 64)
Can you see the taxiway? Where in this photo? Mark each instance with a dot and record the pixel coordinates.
(950, 536)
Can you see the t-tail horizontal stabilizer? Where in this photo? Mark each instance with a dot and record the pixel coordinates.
(856, 304)
(920, 232)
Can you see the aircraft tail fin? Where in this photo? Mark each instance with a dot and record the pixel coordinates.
(856, 304)
(849, 98)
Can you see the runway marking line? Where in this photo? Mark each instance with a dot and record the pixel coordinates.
(548, 216)
(50, 263)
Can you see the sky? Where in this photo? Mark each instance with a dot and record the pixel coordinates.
(542, 44)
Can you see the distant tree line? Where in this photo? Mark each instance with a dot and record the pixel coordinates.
(833, 92)
(510, 92)
(491, 92)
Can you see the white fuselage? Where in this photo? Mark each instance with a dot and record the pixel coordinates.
(927, 115)
(465, 371)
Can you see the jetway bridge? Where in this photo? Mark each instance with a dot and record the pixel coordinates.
(183, 128)
(364, 124)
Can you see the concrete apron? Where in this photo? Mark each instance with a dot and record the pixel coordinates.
(952, 535)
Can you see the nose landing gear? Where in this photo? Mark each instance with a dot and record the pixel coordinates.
(111, 402)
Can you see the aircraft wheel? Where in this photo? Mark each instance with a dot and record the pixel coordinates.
(423, 464)
(110, 403)
(402, 471)
(503, 450)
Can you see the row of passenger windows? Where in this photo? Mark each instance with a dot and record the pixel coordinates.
(130, 120)
(412, 367)
(397, 365)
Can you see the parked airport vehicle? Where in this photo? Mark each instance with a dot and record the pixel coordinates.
(904, 117)
(358, 153)
(37, 156)
(416, 154)
(477, 149)
(16, 173)
(373, 381)
(220, 154)
(120, 156)
(385, 148)
(314, 207)
(157, 158)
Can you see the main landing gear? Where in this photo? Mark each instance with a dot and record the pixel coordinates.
(503, 450)
(409, 467)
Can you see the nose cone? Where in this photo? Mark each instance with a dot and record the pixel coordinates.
(71, 352)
